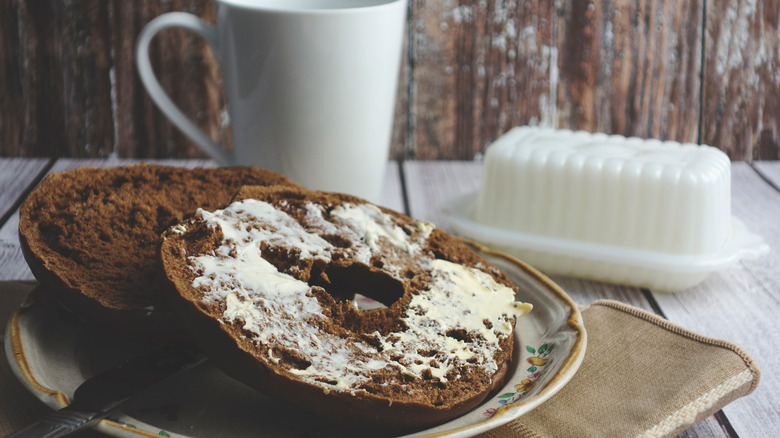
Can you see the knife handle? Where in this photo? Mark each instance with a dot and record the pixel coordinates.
(58, 423)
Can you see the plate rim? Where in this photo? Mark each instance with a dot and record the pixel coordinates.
(504, 414)
(53, 398)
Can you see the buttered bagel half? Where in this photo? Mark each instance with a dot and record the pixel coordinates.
(266, 287)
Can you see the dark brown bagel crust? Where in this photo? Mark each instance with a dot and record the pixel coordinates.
(91, 235)
(237, 356)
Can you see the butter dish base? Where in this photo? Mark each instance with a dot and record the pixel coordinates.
(663, 272)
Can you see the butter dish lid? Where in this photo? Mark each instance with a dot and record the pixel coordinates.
(741, 244)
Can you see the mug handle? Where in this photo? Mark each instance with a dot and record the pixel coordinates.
(195, 24)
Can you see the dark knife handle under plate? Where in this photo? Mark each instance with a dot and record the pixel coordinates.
(59, 423)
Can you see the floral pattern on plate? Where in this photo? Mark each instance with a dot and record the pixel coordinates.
(539, 362)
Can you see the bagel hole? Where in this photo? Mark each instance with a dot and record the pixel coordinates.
(358, 281)
(362, 302)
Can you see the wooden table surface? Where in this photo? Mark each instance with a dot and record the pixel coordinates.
(740, 303)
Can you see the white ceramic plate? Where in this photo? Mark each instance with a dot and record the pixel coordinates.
(52, 353)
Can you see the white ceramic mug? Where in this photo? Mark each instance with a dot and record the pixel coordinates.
(311, 86)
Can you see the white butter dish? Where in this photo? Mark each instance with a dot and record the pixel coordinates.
(624, 210)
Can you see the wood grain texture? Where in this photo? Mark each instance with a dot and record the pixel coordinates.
(700, 70)
(769, 170)
(400, 143)
(12, 264)
(478, 68)
(430, 183)
(60, 62)
(12, 122)
(740, 304)
(630, 68)
(79, 94)
(392, 195)
(16, 177)
(741, 84)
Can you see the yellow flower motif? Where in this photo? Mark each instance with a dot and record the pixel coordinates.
(524, 386)
(537, 361)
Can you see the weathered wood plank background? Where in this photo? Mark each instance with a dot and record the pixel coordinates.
(705, 71)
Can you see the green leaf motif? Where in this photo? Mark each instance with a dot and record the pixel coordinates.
(543, 348)
(532, 369)
(530, 349)
(507, 395)
(163, 433)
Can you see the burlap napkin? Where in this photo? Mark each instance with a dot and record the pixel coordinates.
(641, 376)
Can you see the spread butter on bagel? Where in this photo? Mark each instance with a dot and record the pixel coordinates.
(265, 286)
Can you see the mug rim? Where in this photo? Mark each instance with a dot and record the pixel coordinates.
(278, 7)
